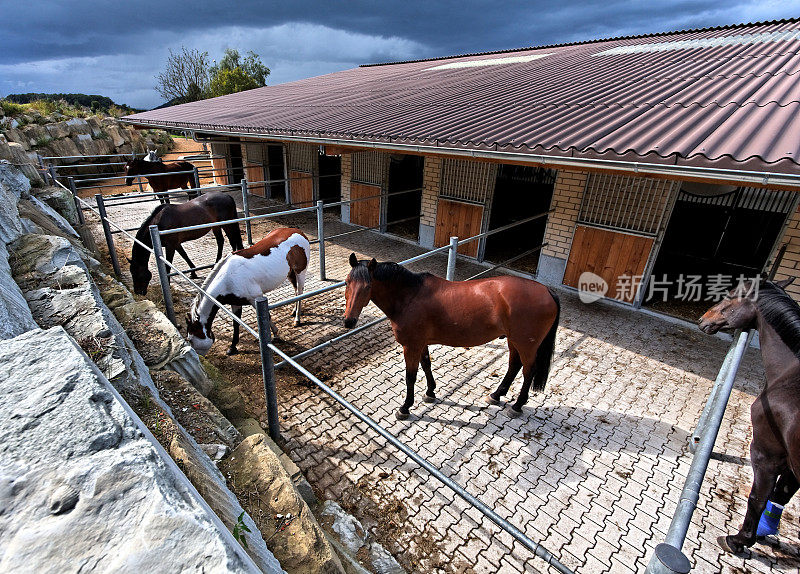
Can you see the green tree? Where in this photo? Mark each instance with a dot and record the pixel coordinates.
(185, 77)
(236, 74)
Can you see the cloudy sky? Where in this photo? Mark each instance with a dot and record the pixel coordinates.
(116, 48)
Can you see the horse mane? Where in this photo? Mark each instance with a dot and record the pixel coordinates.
(143, 234)
(393, 273)
(211, 276)
(782, 313)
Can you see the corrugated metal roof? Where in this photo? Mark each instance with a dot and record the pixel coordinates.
(722, 97)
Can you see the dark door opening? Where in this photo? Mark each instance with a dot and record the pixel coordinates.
(275, 172)
(403, 210)
(236, 167)
(520, 192)
(330, 178)
(714, 239)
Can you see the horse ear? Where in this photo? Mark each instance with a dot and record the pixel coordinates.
(372, 265)
(783, 284)
(353, 260)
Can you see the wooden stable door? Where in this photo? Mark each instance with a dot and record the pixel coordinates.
(368, 212)
(610, 255)
(457, 219)
(255, 173)
(301, 186)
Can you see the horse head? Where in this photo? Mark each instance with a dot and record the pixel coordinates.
(141, 276)
(738, 309)
(200, 336)
(132, 167)
(358, 289)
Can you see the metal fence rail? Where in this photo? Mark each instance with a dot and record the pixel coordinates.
(668, 558)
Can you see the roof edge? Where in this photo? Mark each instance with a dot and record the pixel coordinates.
(585, 42)
(677, 169)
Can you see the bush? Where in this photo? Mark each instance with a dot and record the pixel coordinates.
(12, 109)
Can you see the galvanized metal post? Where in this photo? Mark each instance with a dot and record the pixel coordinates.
(287, 188)
(52, 171)
(74, 191)
(112, 252)
(196, 178)
(668, 558)
(321, 237)
(268, 367)
(451, 259)
(246, 209)
(163, 276)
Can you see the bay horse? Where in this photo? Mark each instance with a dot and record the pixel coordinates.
(428, 310)
(775, 414)
(243, 276)
(151, 171)
(207, 208)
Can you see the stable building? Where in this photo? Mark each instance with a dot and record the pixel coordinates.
(655, 157)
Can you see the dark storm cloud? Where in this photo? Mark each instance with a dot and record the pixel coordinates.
(112, 48)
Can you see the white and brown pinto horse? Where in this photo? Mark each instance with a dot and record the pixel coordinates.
(243, 276)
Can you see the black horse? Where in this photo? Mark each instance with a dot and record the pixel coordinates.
(152, 171)
(775, 414)
(207, 208)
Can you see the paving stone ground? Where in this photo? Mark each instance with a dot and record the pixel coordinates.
(593, 469)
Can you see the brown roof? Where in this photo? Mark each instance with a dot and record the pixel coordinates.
(724, 97)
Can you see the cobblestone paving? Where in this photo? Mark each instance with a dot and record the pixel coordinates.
(593, 469)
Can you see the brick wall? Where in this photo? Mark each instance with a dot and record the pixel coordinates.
(431, 184)
(347, 170)
(790, 264)
(567, 195)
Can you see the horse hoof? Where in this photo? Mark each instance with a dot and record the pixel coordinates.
(728, 545)
(514, 413)
(297, 323)
(232, 351)
(401, 416)
(492, 401)
(428, 399)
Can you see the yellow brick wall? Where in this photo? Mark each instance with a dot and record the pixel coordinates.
(431, 184)
(347, 170)
(790, 264)
(567, 196)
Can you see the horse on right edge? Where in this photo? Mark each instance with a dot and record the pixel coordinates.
(775, 414)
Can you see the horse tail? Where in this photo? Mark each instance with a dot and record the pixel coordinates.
(545, 353)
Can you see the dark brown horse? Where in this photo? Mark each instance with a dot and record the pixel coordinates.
(152, 170)
(775, 414)
(207, 208)
(428, 310)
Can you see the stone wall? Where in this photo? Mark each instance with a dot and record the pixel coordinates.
(23, 140)
(103, 493)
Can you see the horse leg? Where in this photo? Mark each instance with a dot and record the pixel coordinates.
(770, 519)
(237, 310)
(234, 235)
(182, 253)
(425, 361)
(785, 488)
(299, 281)
(765, 474)
(220, 241)
(528, 371)
(412, 356)
(514, 365)
(169, 253)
